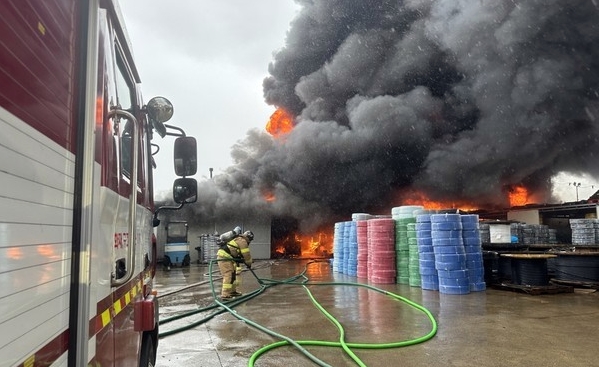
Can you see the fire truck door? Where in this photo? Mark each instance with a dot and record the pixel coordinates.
(118, 341)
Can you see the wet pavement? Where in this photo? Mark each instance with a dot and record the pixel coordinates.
(490, 328)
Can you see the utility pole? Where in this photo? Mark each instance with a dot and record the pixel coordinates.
(576, 186)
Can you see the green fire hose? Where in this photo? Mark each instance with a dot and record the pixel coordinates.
(302, 280)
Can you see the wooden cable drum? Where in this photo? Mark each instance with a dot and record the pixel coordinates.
(530, 269)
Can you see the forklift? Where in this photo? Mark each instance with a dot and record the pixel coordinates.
(176, 249)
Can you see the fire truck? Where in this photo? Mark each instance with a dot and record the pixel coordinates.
(77, 250)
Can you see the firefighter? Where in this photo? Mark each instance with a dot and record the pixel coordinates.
(228, 256)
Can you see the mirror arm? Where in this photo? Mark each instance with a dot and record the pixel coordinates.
(182, 133)
(156, 221)
(157, 148)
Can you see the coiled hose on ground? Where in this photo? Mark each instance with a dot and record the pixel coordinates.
(301, 280)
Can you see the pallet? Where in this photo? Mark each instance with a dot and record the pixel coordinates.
(575, 284)
(534, 290)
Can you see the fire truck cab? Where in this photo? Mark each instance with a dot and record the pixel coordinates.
(77, 251)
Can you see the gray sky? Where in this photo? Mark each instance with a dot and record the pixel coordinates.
(209, 59)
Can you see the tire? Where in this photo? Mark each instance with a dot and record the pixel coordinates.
(186, 261)
(147, 356)
(167, 262)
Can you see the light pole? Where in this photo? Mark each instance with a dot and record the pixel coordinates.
(576, 186)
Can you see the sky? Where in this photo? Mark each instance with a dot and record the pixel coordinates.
(209, 58)
(454, 98)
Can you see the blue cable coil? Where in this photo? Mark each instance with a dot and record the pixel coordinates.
(429, 255)
(448, 289)
(451, 258)
(448, 241)
(436, 218)
(451, 234)
(423, 226)
(457, 249)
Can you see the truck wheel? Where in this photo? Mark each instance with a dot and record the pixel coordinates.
(167, 262)
(147, 356)
(186, 260)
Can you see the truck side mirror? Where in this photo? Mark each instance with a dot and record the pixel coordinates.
(185, 190)
(185, 154)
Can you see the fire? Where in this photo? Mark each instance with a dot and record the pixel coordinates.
(281, 251)
(295, 244)
(418, 198)
(269, 196)
(518, 195)
(280, 123)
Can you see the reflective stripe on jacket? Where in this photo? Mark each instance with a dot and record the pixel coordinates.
(240, 247)
(223, 254)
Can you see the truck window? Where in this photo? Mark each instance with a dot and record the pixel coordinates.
(124, 88)
(125, 98)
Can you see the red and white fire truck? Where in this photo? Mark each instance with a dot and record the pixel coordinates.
(77, 251)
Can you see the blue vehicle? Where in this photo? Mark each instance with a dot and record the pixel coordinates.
(176, 249)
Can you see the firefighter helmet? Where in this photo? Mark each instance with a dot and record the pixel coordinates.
(249, 235)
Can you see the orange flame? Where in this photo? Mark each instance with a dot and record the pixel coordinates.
(295, 244)
(269, 196)
(418, 198)
(518, 195)
(280, 123)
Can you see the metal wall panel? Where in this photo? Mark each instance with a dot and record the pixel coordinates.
(36, 188)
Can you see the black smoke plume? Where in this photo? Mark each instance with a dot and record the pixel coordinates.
(455, 99)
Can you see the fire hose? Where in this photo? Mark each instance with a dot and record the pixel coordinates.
(221, 307)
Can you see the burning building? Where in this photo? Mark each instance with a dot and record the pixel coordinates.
(384, 103)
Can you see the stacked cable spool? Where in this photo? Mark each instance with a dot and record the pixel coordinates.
(552, 233)
(527, 234)
(485, 233)
(402, 250)
(543, 233)
(533, 233)
(346, 246)
(583, 232)
(361, 220)
(517, 232)
(352, 244)
(403, 215)
(474, 253)
(450, 254)
(381, 251)
(426, 254)
(338, 247)
(413, 256)
(208, 248)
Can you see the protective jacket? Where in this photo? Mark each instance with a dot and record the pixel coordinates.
(236, 250)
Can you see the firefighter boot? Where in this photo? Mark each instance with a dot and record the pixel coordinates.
(237, 280)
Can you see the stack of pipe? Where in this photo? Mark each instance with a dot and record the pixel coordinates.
(381, 251)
